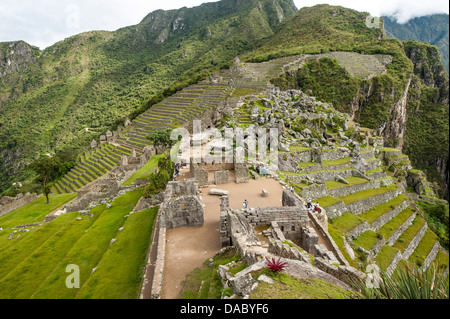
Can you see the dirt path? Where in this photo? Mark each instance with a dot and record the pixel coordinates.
(188, 247)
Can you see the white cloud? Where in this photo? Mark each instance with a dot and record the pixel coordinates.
(44, 22)
(402, 10)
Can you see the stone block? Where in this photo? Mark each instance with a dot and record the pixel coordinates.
(221, 177)
(241, 173)
(218, 192)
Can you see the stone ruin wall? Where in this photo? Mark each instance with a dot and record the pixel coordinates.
(289, 223)
(10, 206)
(221, 172)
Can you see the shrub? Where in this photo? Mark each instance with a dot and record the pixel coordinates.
(408, 283)
(276, 265)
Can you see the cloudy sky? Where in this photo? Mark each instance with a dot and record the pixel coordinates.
(45, 22)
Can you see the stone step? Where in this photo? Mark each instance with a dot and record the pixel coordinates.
(411, 237)
(359, 202)
(393, 229)
(359, 185)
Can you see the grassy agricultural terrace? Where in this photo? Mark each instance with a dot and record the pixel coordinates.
(90, 166)
(389, 230)
(34, 263)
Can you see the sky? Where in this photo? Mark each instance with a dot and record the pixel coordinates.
(45, 22)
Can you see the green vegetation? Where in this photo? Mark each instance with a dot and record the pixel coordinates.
(33, 265)
(145, 172)
(74, 91)
(352, 180)
(436, 216)
(375, 212)
(390, 227)
(159, 179)
(367, 240)
(346, 222)
(408, 283)
(289, 287)
(328, 201)
(120, 271)
(432, 29)
(207, 279)
(409, 234)
(337, 238)
(368, 193)
(425, 246)
(34, 212)
(385, 256)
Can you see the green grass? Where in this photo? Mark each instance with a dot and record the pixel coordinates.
(385, 256)
(375, 170)
(83, 253)
(352, 180)
(34, 264)
(375, 212)
(423, 249)
(206, 277)
(367, 239)
(145, 172)
(367, 193)
(328, 201)
(325, 171)
(388, 229)
(119, 273)
(35, 211)
(346, 222)
(286, 286)
(244, 91)
(306, 164)
(340, 161)
(297, 148)
(337, 238)
(390, 149)
(30, 272)
(408, 235)
(442, 260)
(17, 250)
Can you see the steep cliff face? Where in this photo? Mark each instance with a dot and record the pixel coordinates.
(427, 129)
(433, 29)
(15, 57)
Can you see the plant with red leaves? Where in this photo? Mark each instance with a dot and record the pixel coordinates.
(276, 265)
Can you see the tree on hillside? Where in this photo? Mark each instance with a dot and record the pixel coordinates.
(161, 138)
(46, 167)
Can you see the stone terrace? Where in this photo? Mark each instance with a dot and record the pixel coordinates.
(374, 214)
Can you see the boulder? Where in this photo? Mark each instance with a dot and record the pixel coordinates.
(266, 279)
(341, 179)
(264, 193)
(218, 192)
(242, 285)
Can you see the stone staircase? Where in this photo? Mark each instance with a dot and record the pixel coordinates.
(182, 107)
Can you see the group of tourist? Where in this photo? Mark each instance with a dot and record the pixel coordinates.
(261, 171)
(312, 207)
